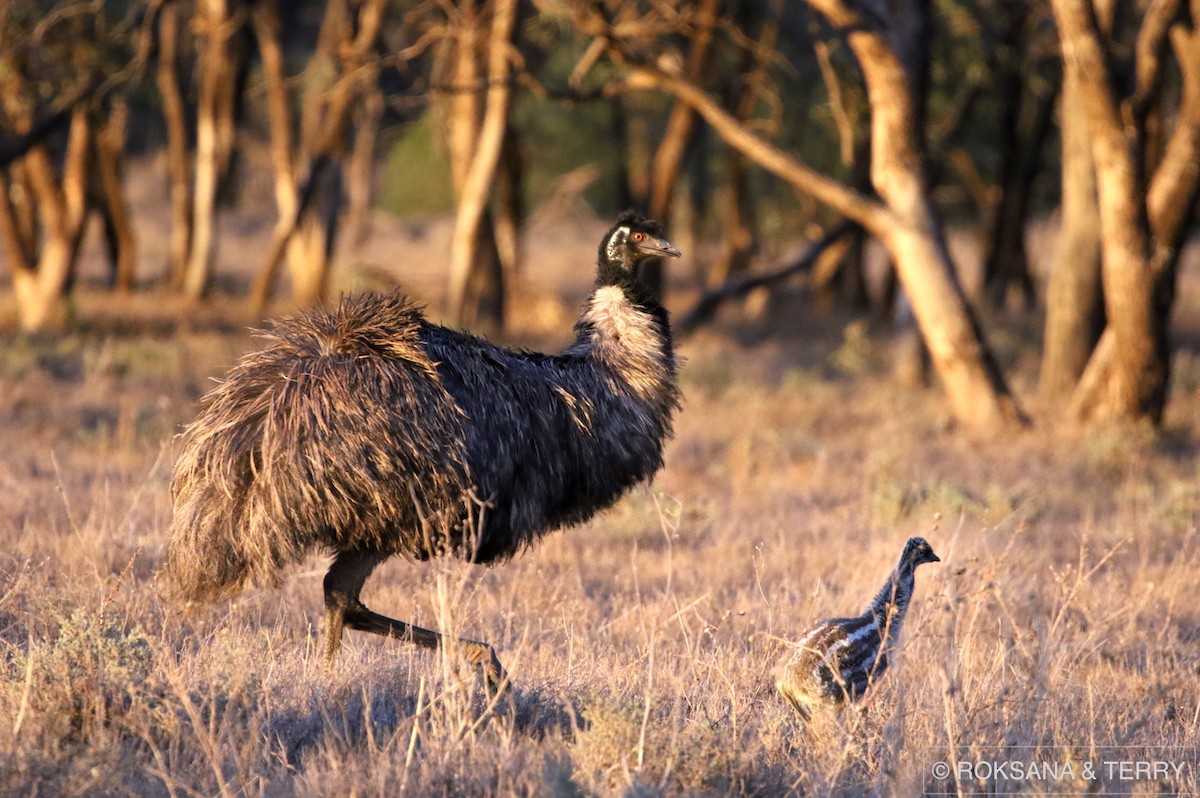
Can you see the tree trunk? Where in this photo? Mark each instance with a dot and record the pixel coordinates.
(1135, 384)
(481, 172)
(839, 272)
(25, 207)
(18, 245)
(1074, 299)
(852, 278)
(311, 247)
(361, 168)
(214, 137)
(906, 222)
(1006, 261)
(110, 150)
(178, 166)
(61, 204)
(310, 210)
(738, 219)
(914, 235)
(510, 207)
(265, 20)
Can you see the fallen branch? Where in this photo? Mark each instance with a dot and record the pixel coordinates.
(732, 289)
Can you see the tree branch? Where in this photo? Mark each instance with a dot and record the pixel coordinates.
(1148, 66)
(707, 305)
(482, 170)
(1173, 187)
(14, 147)
(867, 212)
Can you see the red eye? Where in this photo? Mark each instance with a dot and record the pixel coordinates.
(637, 236)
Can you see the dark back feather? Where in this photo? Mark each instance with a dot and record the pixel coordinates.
(337, 434)
(371, 429)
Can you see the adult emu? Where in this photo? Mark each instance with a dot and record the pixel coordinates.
(370, 432)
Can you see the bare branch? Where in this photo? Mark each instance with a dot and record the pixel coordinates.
(1151, 44)
(864, 210)
(1173, 187)
(837, 102)
(707, 305)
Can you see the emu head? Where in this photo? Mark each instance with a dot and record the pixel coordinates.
(917, 551)
(632, 240)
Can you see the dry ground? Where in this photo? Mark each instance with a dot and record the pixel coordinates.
(1062, 627)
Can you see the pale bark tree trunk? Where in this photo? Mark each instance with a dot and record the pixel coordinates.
(18, 246)
(480, 170)
(905, 222)
(464, 107)
(476, 297)
(39, 282)
(179, 165)
(110, 151)
(265, 19)
(360, 171)
(915, 237)
(347, 43)
(214, 136)
(24, 207)
(1127, 377)
(310, 209)
(1074, 299)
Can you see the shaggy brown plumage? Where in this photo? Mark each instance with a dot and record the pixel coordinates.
(369, 432)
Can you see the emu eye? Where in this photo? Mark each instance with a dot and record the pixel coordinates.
(637, 236)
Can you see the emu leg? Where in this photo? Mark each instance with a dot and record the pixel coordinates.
(344, 610)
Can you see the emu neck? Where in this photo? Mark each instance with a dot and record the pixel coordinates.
(619, 275)
(627, 331)
(891, 602)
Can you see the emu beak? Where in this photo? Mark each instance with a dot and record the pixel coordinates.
(659, 247)
(932, 557)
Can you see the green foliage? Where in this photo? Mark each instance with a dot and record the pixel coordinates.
(554, 139)
(893, 502)
(78, 684)
(418, 174)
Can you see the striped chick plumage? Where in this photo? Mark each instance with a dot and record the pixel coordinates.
(840, 658)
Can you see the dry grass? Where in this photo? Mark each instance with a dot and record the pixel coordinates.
(1062, 623)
